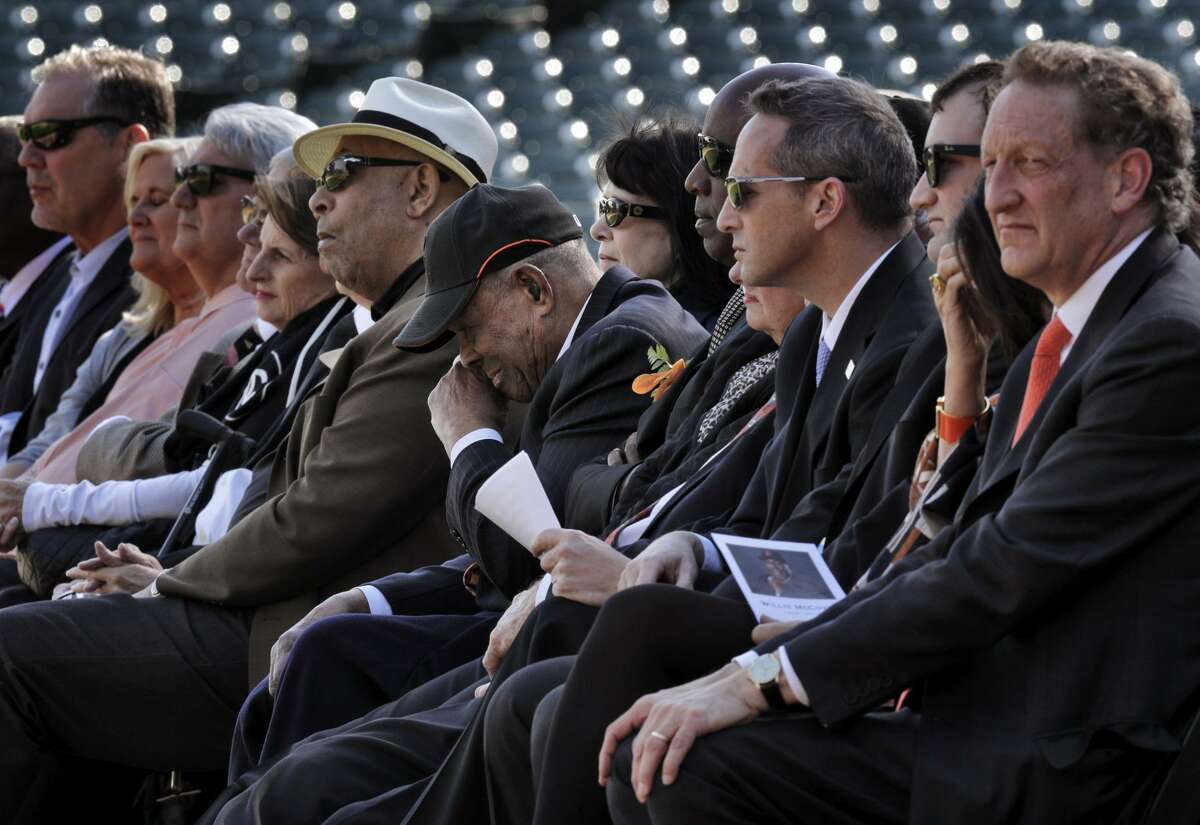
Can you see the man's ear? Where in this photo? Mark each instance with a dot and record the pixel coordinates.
(426, 186)
(534, 287)
(132, 135)
(827, 200)
(1131, 172)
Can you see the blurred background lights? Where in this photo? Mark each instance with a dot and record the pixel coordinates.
(553, 67)
(484, 67)
(610, 38)
(221, 12)
(817, 35)
(833, 63)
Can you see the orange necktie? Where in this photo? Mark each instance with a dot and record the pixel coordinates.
(1042, 371)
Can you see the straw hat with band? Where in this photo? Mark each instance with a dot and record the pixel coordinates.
(437, 123)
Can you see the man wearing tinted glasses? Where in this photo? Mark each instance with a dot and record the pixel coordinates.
(89, 108)
(951, 155)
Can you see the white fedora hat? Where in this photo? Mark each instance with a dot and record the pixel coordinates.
(437, 123)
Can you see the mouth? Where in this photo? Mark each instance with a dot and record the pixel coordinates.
(609, 259)
(263, 295)
(705, 225)
(324, 239)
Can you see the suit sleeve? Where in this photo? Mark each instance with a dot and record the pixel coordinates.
(368, 482)
(1067, 518)
(592, 410)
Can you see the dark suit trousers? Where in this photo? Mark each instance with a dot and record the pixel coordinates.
(782, 768)
(343, 667)
(366, 771)
(153, 684)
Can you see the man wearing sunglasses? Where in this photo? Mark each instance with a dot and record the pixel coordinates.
(90, 106)
(951, 154)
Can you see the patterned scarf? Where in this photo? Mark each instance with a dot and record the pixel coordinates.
(746, 377)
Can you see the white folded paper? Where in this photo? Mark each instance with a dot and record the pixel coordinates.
(514, 499)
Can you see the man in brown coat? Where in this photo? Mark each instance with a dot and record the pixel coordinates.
(358, 490)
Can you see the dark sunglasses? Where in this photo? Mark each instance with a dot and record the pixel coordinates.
(55, 133)
(615, 210)
(201, 177)
(736, 191)
(249, 210)
(338, 171)
(935, 152)
(715, 154)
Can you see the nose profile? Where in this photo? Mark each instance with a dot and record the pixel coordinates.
(698, 181)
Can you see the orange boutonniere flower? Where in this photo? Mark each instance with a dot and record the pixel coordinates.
(662, 375)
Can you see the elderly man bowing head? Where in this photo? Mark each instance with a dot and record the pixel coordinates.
(536, 322)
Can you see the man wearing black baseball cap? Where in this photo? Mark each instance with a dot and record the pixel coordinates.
(537, 323)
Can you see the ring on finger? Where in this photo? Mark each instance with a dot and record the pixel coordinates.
(935, 281)
(658, 735)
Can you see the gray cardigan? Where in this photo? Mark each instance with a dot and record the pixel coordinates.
(106, 356)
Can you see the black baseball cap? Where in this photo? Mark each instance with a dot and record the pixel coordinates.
(487, 229)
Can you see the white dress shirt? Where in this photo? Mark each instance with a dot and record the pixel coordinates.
(83, 271)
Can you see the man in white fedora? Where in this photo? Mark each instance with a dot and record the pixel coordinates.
(357, 489)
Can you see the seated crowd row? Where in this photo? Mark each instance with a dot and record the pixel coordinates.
(251, 383)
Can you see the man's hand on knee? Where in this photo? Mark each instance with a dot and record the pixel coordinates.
(350, 601)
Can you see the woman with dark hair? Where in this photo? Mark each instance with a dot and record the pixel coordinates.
(646, 221)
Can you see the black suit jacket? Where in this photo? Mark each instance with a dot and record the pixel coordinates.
(584, 406)
(1047, 624)
(99, 309)
(14, 326)
(598, 493)
(755, 486)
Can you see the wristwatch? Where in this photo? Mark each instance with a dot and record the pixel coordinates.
(765, 672)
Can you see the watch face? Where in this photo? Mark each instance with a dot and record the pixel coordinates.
(764, 669)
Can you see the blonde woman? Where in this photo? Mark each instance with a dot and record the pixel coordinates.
(167, 292)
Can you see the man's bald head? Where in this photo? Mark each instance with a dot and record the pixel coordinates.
(727, 113)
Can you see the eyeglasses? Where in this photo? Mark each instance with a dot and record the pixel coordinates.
(737, 194)
(338, 171)
(615, 210)
(715, 154)
(935, 152)
(249, 210)
(56, 133)
(200, 178)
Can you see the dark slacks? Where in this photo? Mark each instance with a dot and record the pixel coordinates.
(512, 723)
(148, 683)
(366, 771)
(343, 667)
(782, 768)
(645, 639)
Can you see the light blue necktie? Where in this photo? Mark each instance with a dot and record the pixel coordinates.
(823, 354)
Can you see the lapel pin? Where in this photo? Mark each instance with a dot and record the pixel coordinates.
(849, 370)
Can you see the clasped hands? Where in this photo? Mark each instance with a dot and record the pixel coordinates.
(126, 570)
(464, 401)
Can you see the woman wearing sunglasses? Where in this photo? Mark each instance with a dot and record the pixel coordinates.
(645, 218)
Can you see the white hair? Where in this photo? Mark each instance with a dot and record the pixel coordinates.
(252, 134)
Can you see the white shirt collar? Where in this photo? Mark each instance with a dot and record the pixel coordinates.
(362, 318)
(19, 284)
(1076, 310)
(571, 335)
(831, 328)
(265, 330)
(86, 268)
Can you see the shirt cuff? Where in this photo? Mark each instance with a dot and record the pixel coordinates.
(543, 591)
(376, 601)
(789, 673)
(483, 434)
(712, 556)
(34, 505)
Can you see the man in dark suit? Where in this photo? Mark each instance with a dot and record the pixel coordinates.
(1042, 627)
(351, 495)
(22, 243)
(73, 155)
